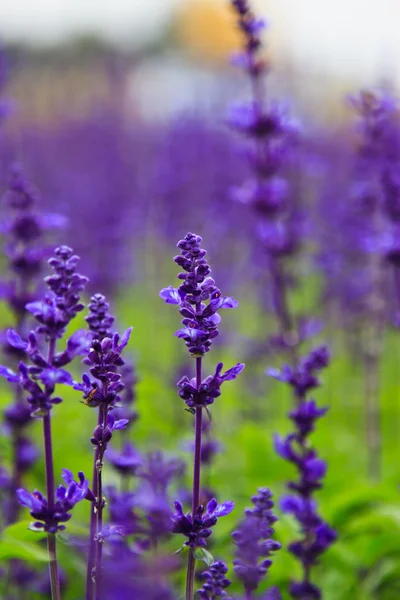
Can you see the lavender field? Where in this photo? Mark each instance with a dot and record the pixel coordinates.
(199, 321)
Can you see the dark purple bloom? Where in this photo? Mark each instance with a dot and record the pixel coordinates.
(153, 496)
(104, 358)
(215, 583)
(295, 448)
(303, 378)
(49, 518)
(253, 541)
(198, 528)
(99, 320)
(127, 460)
(200, 320)
(209, 389)
(272, 593)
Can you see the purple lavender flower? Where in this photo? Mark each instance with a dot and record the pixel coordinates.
(122, 510)
(215, 583)
(39, 379)
(302, 378)
(198, 528)
(153, 496)
(127, 460)
(101, 389)
(199, 300)
(24, 228)
(104, 359)
(210, 387)
(253, 542)
(49, 516)
(272, 136)
(295, 448)
(200, 321)
(99, 320)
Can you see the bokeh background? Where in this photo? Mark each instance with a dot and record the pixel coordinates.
(117, 112)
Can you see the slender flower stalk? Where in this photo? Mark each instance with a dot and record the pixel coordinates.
(271, 135)
(200, 326)
(376, 202)
(101, 391)
(317, 536)
(39, 380)
(24, 228)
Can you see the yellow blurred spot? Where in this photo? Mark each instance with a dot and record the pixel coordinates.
(207, 30)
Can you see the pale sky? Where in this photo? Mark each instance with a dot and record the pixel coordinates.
(344, 35)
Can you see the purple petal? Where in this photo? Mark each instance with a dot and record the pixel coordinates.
(53, 376)
(37, 308)
(232, 373)
(178, 508)
(193, 334)
(8, 374)
(67, 476)
(225, 302)
(170, 295)
(291, 504)
(282, 448)
(224, 509)
(60, 493)
(78, 343)
(15, 340)
(120, 424)
(275, 373)
(124, 339)
(28, 500)
(211, 506)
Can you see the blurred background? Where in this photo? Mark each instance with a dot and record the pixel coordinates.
(117, 113)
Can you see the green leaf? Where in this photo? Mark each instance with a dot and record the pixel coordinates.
(20, 532)
(204, 555)
(23, 550)
(17, 541)
(181, 549)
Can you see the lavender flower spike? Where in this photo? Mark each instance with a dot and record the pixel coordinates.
(40, 378)
(215, 583)
(24, 228)
(253, 542)
(317, 536)
(101, 389)
(199, 301)
(47, 517)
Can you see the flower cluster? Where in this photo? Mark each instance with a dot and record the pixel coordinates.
(303, 378)
(200, 320)
(209, 389)
(156, 475)
(53, 314)
(197, 528)
(272, 134)
(58, 309)
(24, 227)
(295, 447)
(215, 583)
(99, 319)
(48, 518)
(104, 359)
(270, 140)
(253, 541)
